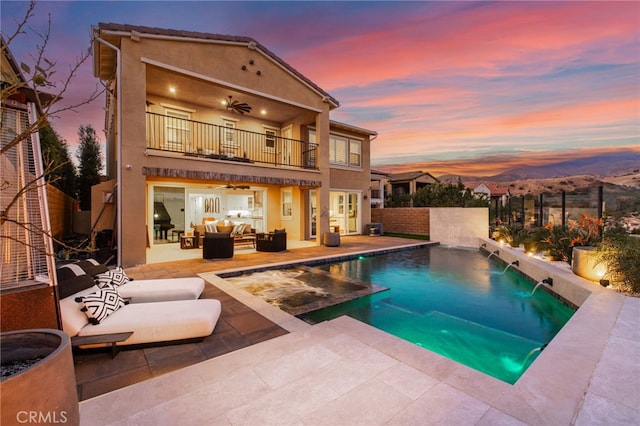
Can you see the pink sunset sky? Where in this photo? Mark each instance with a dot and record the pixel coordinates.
(450, 87)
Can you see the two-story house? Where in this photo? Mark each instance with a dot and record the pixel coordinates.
(407, 183)
(204, 125)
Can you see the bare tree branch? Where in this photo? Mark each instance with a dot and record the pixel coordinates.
(40, 76)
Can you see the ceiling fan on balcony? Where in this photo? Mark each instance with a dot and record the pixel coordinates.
(235, 106)
(234, 187)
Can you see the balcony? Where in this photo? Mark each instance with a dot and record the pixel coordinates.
(198, 139)
(376, 193)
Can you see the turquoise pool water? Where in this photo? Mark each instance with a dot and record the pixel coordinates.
(456, 303)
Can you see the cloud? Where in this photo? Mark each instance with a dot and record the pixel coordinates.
(436, 80)
(490, 165)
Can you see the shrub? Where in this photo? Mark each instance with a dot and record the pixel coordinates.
(559, 241)
(620, 253)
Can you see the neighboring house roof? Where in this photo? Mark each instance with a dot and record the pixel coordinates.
(492, 189)
(379, 173)
(13, 76)
(419, 176)
(137, 31)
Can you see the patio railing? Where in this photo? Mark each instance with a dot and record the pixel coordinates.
(195, 138)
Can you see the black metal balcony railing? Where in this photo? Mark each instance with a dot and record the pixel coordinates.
(195, 138)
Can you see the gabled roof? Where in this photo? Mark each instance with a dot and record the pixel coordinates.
(409, 176)
(379, 172)
(112, 32)
(495, 190)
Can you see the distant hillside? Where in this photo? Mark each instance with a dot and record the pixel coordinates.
(604, 164)
(601, 165)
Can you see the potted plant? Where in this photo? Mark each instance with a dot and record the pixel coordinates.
(585, 233)
(38, 383)
(559, 242)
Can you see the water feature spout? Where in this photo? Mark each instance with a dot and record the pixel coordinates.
(516, 263)
(496, 252)
(536, 287)
(547, 281)
(533, 351)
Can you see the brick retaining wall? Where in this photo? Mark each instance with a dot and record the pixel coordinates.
(403, 220)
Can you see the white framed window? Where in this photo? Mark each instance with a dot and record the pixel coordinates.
(354, 153)
(270, 136)
(229, 134)
(177, 130)
(286, 201)
(338, 149)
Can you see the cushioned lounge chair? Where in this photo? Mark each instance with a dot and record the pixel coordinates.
(161, 318)
(153, 322)
(77, 276)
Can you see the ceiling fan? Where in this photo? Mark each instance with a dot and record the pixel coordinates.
(234, 187)
(236, 106)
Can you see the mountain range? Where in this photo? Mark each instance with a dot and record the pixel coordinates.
(602, 164)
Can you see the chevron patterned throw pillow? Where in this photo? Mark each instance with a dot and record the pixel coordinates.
(99, 305)
(115, 277)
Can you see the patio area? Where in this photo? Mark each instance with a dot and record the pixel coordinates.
(267, 367)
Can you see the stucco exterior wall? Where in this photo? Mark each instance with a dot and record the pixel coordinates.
(458, 226)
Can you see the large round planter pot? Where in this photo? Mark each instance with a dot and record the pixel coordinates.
(583, 263)
(331, 239)
(45, 391)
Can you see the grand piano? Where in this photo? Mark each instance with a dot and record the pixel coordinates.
(161, 219)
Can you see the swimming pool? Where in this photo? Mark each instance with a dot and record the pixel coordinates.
(456, 303)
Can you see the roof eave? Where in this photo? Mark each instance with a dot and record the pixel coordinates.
(124, 30)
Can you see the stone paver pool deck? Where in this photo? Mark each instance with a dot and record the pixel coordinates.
(343, 372)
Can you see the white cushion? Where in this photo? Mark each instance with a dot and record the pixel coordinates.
(238, 228)
(160, 321)
(143, 291)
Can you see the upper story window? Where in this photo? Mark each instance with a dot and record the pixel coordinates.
(229, 133)
(178, 128)
(338, 150)
(354, 153)
(343, 151)
(270, 137)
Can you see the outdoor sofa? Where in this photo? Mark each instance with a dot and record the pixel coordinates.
(150, 312)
